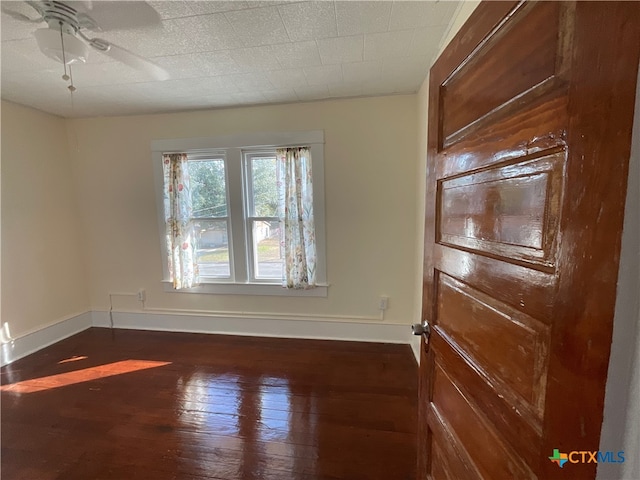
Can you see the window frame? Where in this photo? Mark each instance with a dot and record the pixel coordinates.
(234, 148)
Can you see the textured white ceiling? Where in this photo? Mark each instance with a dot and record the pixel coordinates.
(229, 53)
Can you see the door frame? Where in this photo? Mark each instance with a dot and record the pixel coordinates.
(621, 408)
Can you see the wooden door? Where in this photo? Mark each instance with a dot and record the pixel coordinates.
(530, 115)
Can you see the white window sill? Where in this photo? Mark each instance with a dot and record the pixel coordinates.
(248, 289)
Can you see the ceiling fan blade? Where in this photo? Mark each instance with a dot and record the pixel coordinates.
(88, 4)
(129, 58)
(36, 6)
(20, 16)
(118, 15)
(85, 21)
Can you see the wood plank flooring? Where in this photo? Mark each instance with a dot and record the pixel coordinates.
(123, 404)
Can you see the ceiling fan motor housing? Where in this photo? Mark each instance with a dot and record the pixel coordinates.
(59, 15)
(65, 41)
(59, 41)
(50, 43)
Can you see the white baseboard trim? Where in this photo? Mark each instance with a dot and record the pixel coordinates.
(329, 329)
(256, 327)
(38, 339)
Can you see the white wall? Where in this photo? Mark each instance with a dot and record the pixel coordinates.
(370, 167)
(621, 425)
(43, 276)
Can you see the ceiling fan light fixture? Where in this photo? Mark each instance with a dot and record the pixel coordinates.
(50, 43)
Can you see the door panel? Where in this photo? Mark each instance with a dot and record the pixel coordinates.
(509, 210)
(507, 347)
(518, 429)
(483, 85)
(530, 116)
(497, 278)
(470, 431)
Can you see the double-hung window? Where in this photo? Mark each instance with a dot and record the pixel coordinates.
(264, 235)
(235, 225)
(210, 214)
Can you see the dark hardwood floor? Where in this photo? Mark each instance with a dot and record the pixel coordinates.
(123, 404)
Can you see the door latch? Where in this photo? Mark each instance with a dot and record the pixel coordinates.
(421, 328)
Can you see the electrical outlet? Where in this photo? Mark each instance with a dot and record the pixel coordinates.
(384, 303)
(142, 295)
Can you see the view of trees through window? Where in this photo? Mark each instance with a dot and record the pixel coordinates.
(208, 188)
(209, 203)
(265, 229)
(210, 213)
(265, 188)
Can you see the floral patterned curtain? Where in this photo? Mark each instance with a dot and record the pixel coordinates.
(183, 267)
(295, 209)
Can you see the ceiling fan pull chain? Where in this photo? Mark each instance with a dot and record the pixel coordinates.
(71, 87)
(73, 103)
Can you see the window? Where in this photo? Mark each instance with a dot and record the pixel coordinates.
(210, 215)
(234, 222)
(211, 222)
(263, 225)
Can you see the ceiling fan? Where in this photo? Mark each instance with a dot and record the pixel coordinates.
(64, 38)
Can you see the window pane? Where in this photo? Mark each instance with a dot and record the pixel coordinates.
(266, 249)
(208, 188)
(265, 194)
(212, 248)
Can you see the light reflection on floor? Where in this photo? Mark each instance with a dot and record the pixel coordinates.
(253, 418)
(73, 359)
(211, 401)
(79, 376)
(275, 397)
